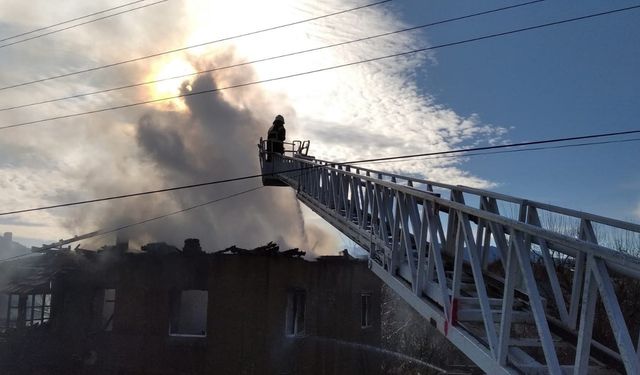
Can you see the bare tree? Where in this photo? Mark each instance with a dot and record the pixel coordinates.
(407, 332)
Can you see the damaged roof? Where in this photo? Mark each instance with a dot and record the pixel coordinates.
(35, 273)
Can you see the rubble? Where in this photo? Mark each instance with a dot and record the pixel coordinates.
(270, 249)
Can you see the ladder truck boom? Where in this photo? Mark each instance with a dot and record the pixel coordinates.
(487, 280)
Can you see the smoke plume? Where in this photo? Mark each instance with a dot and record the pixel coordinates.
(357, 112)
(212, 139)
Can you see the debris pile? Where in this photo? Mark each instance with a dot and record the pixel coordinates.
(270, 249)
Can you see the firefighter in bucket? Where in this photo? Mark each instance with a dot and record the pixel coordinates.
(275, 137)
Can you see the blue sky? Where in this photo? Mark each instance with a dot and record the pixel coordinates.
(571, 79)
(566, 80)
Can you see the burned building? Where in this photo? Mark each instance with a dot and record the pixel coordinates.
(166, 310)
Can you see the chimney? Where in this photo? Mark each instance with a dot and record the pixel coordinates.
(192, 247)
(122, 242)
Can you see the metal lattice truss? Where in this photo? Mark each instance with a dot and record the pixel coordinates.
(491, 282)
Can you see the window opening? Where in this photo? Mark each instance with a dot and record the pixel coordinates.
(365, 310)
(13, 311)
(38, 308)
(8, 310)
(296, 301)
(108, 308)
(189, 313)
(25, 309)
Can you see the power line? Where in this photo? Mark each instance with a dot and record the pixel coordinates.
(192, 46)
(103, 232)
(17, 256)
(273, 57)
(489, 36)
(209, 183)
(519, 150)
(482, 148)
(217, 182)
(83, 23)
(71, 20)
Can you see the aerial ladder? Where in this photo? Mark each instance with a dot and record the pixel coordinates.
(481, 266)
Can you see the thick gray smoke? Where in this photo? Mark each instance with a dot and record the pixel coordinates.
(360, 112)
(213, 140)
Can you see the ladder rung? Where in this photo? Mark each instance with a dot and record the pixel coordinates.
(475, 315)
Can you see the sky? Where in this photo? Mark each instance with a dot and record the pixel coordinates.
(566, 80)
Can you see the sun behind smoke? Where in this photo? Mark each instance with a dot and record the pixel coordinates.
(171, 76)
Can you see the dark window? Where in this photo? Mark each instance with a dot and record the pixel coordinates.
(189, 313)
(9, 307)
(38, 309)
(108, 308)
(13, 312)
(32, 309)
(296, 301)
(365, 310)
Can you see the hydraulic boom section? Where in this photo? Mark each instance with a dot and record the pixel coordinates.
(513, 293)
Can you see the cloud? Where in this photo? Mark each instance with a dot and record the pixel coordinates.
(356, 112)
(636, 212)
(17, 221)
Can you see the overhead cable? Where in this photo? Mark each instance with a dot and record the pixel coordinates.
(68, 21)
(583, 144)
(18, 256)
(493, 147)
(103, 232)
(465, 41)
(76, 96)
(82, 23)
(247, 177)
(191, 46)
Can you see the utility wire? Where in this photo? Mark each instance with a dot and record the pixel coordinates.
(83, 23)
(465, 41)
(71, 20)
(518, 150)
(209, 183)
(482, 148)
(217, 182)
(192, 46)
(18, 256)
(271, 58)
(103, 232)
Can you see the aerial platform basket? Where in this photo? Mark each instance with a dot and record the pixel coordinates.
(272, 163)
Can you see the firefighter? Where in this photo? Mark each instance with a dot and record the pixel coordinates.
(276, 136)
